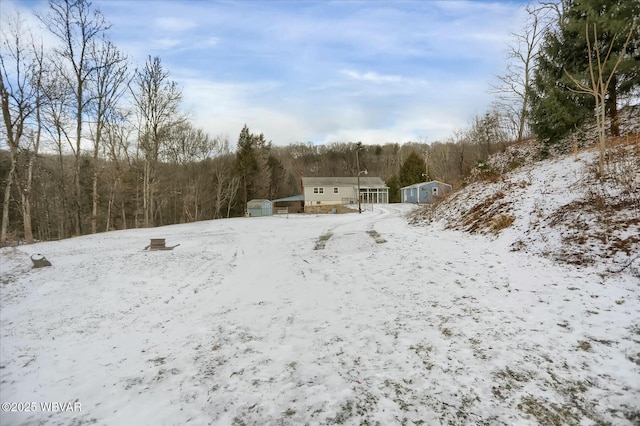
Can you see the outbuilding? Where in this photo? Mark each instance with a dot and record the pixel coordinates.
(256, 208)
(424, 192)
(293, 204)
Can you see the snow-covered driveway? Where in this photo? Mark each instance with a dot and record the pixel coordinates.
(334, 319)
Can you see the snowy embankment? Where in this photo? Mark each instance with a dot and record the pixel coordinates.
(335, 319)
(556, 208)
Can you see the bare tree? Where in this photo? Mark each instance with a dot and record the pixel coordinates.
(107, 86)
(157, 99)
(598, 83)
(233, 184)
(487, 133)
(116, 148)
(37, 82)
(187, 147)
(17, 101)
(56, 116)
(514, 87)
(76, 26)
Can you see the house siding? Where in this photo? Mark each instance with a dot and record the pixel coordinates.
(425, 192)
(372, 189)
(328, 197)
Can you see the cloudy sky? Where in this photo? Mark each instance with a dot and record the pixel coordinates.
(321, 71)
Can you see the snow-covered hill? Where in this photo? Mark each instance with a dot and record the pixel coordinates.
(334, 319)
(555, 208)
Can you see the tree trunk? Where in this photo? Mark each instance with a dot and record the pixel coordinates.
(26, 199)
(7, 199)
(94, 198)
(613, 107)
(600, 122)
(522, 122)
(12, 139)
(195, 188)
(108, 218)
(124, 217)
(145, 193)
(26, 194)
(112, 200)
(152, 205)
(62, 230)
(78, 214)
(45, 234)
(26, 217)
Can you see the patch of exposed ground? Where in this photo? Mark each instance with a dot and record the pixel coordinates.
(322, 241)
(376, 236)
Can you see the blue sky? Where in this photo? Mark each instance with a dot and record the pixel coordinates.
(322, 71)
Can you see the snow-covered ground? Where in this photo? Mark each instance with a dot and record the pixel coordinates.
(334, 319)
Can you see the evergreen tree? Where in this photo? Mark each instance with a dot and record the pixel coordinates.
(556, 110)
(613, 20)
(411, 170)
(277, 176)
(394, 189)
(252, 167)
(246, 164)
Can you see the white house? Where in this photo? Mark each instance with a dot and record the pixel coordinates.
(337, 191)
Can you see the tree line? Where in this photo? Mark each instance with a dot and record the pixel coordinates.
(96, 144)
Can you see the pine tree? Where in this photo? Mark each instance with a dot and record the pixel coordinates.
(251, 165)
(246, 164)
(277, 176)
(556, 110)
(394, 189)
(411, 170)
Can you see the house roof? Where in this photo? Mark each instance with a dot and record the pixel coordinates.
(257, 203)
(292, 198)
(420, 184)
(367, 182)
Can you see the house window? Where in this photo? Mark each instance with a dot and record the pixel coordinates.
(335, 190)
(318, 190)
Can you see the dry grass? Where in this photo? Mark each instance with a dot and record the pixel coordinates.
(607, 216)
(584, 345)
(548, 413)
(500, 222)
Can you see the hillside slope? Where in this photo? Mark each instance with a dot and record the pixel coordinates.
(555, 208)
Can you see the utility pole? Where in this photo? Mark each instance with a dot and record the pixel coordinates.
(358, 146)
(426, 165)
(358, 169)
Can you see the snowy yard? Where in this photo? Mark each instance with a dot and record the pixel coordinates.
(335, 319)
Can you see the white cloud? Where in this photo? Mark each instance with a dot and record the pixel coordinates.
(323, 71)
(223, 108)
(209, 42)
(166, 43)
(372, 77)
(174, 24)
